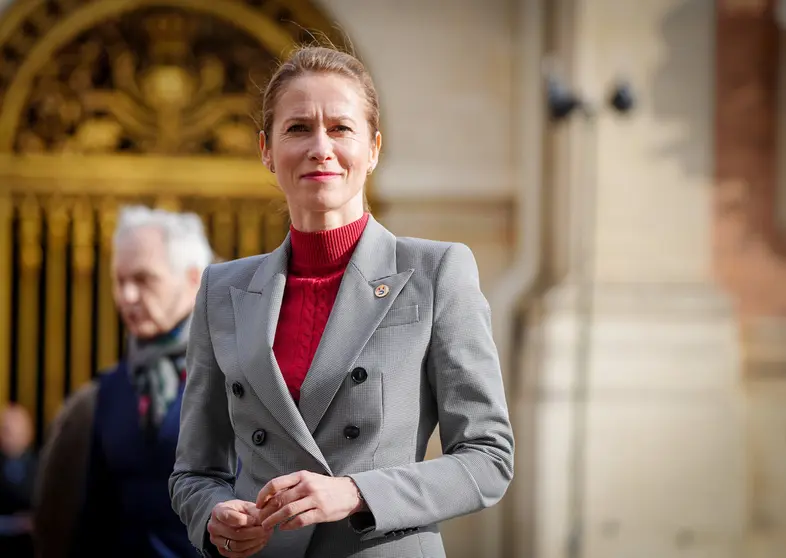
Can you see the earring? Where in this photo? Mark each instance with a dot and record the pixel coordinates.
(272, 168)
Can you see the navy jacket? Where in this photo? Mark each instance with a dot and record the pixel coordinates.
(127, 511)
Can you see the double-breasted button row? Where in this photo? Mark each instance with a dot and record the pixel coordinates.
(258, 437)
(359, 375)
(351, 431)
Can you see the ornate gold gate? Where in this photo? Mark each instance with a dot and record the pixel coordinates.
(107, 102)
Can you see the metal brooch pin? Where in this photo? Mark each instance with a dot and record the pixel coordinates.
(381, 291)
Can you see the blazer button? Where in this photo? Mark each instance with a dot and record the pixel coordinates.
(237, 389)
(258, 437)
(351, 431)
(359, 375)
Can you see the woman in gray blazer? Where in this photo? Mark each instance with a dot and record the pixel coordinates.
(322, 368)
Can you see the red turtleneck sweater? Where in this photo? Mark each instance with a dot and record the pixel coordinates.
(316, 266)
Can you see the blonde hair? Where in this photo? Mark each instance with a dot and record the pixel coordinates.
(319, 60)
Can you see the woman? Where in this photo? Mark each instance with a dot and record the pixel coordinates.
(324, 366)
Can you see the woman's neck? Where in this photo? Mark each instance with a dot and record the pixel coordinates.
(324, 251)
(314, 221)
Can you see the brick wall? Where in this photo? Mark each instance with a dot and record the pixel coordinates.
(750, 255)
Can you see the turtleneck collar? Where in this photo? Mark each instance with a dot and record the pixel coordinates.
(324, 250)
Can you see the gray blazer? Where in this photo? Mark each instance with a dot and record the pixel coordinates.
(387, 370)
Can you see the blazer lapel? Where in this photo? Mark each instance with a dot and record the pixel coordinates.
(256, 317)
(355, 316)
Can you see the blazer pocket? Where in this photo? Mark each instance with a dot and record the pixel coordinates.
(400, 316)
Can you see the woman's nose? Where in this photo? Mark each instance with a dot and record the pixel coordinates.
(321, 148)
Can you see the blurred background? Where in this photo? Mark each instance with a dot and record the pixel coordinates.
(617, 166)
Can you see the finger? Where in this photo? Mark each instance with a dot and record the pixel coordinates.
(234, 517)
(276, 485)
(237, 534)
(237, 548)
(281, 499)
(218, 542)
(246, 546)
(288, 511)
(302, 520)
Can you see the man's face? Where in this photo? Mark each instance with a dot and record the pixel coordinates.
(152, 298)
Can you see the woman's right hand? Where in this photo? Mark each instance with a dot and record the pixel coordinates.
(236, 520)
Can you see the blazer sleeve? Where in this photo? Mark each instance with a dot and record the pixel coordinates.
(204, 472)
(477, 440)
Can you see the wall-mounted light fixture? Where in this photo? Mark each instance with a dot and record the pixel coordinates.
(563, 101)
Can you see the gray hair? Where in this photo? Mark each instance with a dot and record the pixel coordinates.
(184, 234)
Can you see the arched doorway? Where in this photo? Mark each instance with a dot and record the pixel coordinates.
(109, 102)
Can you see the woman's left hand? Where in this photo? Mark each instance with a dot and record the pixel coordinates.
(304, 498)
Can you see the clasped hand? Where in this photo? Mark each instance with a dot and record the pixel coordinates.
(289, 502)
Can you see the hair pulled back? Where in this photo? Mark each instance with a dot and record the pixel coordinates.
(310, 59)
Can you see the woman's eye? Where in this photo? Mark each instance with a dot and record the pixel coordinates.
(297, 128)
(343, 129)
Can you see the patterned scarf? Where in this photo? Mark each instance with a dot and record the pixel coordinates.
(157, 369)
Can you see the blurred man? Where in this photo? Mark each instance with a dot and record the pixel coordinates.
(131, 413)
(17, 473)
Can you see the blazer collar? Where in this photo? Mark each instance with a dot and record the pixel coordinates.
(375, 254)
(275, 263)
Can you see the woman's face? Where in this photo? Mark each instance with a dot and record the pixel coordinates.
(320, 146)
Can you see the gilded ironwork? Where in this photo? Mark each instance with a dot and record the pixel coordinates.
(57, 219)
(6, 245)
(109, 102)
(275, 228)
(81, 314)
(223, 226)
(107, 337)
(240, 35)
(248, 231)
(168, 203)
(28, 342)
(165, 90)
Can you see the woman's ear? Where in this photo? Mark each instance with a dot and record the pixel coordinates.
(373, 153)
(264, 150)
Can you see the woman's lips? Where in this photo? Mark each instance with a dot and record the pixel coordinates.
(321, 176)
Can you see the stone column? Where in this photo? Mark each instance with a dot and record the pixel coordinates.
(656, 414)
